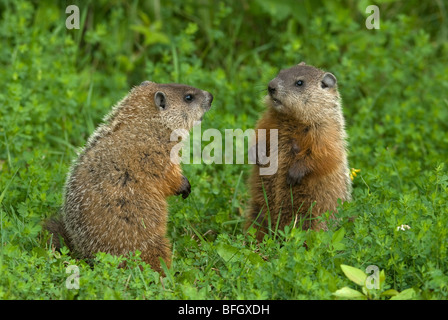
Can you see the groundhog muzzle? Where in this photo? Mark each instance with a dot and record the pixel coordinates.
(304, 105)
(116, 191)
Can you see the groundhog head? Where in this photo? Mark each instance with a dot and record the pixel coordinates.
(178, 106)
(304, 92)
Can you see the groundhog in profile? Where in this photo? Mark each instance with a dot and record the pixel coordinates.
(116, 191)
(304, 105)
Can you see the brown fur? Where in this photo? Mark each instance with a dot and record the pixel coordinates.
(116, 191)
(312, 159)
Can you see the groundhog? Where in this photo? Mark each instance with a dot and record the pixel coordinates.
(116, 191)
(304, 105)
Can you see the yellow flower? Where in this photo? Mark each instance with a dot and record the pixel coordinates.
(353, 173)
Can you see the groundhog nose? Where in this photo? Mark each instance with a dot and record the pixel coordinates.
(273, 86)
(209, 97)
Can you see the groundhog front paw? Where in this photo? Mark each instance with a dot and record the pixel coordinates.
(295, 175)
(292, 180)
(185, 188)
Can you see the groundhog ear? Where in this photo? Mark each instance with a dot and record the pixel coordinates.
(329, 80)
(160, 100)
(302, 63)
(146, 83)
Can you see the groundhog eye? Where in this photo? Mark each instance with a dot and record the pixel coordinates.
(189, 97)
(299, 83)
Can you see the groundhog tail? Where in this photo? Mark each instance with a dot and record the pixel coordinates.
(58, 233)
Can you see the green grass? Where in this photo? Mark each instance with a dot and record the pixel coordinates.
(58, 84)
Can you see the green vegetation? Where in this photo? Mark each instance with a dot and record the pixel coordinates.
(57, 84)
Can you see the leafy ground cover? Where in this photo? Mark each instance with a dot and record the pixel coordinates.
(57, 84)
